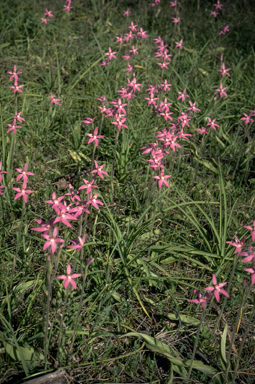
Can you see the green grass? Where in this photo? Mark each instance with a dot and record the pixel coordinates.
(151, 247)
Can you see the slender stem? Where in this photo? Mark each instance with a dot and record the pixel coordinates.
(61, 322)
(18, 241)
(225, 297)
(84, 277)
(243, 341)
(204, 314)
(50, 281)
(245, 295)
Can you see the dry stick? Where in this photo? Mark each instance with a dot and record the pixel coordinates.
(18, 241)
(243, 341)
(245, 295)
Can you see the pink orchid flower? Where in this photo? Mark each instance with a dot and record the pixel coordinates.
(99, 170)
(237, 243)
(14, 73)
(52, 240)
(16, 87)
(94, 137)
(22, 192)
(69, 279)
(78, 244)
(182, 95)
(110, 54)
(162, 179)
(52, 100)
(1, 172)
(13, 127)
(18, 117)
(23, 173)
(201, 299)
(217, 288)
(93, 200)
(221, 90)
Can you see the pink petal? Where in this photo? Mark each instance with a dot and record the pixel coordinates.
(68, 269)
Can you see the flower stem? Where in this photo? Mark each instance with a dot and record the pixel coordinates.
(18, 241)
(204, 314)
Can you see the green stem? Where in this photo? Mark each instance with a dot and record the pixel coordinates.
(18, 241)
(204, 314)
(243, 341)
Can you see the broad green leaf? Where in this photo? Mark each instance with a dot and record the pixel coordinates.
(223, 347)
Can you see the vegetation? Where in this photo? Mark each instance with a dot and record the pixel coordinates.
(127, 191)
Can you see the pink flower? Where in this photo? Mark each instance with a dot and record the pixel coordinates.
(162, 179)
(214, 13)
(48, 13)
(166, 86)
(247, 227)
(89, 120)
(22, 192)
(179, 45)
(217, 289)
(247, 119)
(163, 65)
(238, 244)
(142, 34)
(18, 117)
(67, 8)
(119, 39)
(193, 108)
(44, 20)
(93, 200)
(182, 95)
(212, 123)
(14, 73)
(218, 5)
(13, 127)
(174, 20)
(44, 227)
(132, 27)
(201, 299)
(55, 101)
(250, 256)
(73, 194)
(126, 13)
(88, 185)
(201, 130)
(99, 170)
(252, 271)
(63, 216)
(94, 137)
(110, 54)
(130, 68)
(69, 279)
(16, 87)
(173, 3)
(23, 173)
(224, 71)
(78, 244)
(221, 90)
(55, 201)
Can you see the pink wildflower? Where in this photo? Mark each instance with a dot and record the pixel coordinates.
(217, 288)
(69, 279)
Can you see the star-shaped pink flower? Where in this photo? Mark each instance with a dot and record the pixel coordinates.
(14, 73)
(252, 271)
(23, 173)
(252, 229)
(182, 95)
(99, 170)
(221, 90)
(201, 299)
(78, 244)
(69, 279)
(94, 137)
(16, 87)
(55, 101)
(162, 179)
(22, 192)
(217, 289)
(110, 54)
